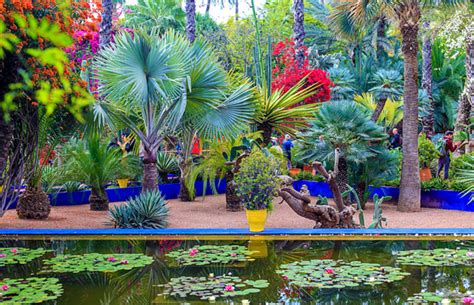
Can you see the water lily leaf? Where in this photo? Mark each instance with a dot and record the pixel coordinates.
(29, 290)
(210, 254)
(12, 256)
(436, 257)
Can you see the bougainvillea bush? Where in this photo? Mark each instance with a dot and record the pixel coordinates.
(287, 73)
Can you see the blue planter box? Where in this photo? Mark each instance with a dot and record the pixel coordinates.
(315, 188)
(73, 198)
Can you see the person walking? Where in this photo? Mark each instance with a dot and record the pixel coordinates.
(445, 148)
(287, 146)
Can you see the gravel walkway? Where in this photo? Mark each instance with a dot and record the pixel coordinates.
(211, 213)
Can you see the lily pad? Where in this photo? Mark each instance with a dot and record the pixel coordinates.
(437, 297)
(95, 262)
(211, 254)
(337, 274)
(211, 287)
(30, 290)
(436, 257)
(13, 256)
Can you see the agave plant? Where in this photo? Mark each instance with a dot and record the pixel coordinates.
(466, 175)
(95, 165)
(147, 211)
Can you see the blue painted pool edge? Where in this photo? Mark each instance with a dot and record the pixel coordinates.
(239, 232)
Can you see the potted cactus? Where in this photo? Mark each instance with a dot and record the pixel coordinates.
(256, 184)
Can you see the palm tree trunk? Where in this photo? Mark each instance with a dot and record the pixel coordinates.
(191, 20)
(184, 192)
(150, 172)
(410, 191)
(33, 204)
(233, 202)
(298, 31)
(266, 130)
(427, 83)
(378, 109)
(98, 200)
(106, 24)
(342, 179)
(236, 10)
(381, 34)
(208, 7)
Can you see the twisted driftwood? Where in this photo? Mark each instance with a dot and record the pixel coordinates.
(325, 216)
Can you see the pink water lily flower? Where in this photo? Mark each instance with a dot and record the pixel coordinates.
(193, 252)
(468, 300)
(329, 271)
(470, 254)
(233, 254)
(14, 250)
(5, 287)
(285, 278)
(229, 288)
(2, 255)
(111, 259)
(124, 262)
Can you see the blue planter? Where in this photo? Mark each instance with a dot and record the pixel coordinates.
(393, 192)
(73, 198)
(315, 188)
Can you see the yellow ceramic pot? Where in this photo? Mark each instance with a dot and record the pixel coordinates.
(123, 183)
(256, 219)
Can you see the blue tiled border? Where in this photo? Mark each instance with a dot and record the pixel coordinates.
(239, 232)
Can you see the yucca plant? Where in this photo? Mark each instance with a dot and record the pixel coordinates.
(95, 165)
(147, 211)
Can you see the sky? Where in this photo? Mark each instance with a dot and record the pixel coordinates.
(221, 14)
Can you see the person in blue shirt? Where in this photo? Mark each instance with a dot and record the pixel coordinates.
(287, 146)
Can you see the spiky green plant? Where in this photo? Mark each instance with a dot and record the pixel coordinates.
(95, 165)
(147, 211)
(466, 175)
(166, 163)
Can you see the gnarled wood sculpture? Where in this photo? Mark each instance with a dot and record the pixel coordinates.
(325, 216)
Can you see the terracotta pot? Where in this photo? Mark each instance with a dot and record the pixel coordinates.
(308, 168)
(295, 171)
(425, 174)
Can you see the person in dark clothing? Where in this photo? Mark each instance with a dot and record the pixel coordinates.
(395, 139)
(447, 147)
(287, 146)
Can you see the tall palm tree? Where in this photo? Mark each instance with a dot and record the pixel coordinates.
(298, 30)
(408, 14)
(157, 86)
(427, 81)
(191, 20)
(106, 24)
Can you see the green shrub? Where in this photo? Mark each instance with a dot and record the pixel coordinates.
(257, 181)
(427, 151)
(308, 177)
(147, 211)
(435, 184)
(460, 164)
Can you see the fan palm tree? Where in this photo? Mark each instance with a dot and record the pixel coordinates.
(345, 126)
(92, 163)
(157, 86)
(191, 20)
(407, 13)
(387, 86)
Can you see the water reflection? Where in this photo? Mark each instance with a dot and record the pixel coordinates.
(142, 285)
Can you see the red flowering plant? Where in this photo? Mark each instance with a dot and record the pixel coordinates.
(39, 70)
(287, 73)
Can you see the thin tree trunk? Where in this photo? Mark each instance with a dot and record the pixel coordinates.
(298, 31)
(106, 24)
(378, 109)
(208, 7)
(236, 10)
(184, 192)
(410, 190)
(342, 179)
(191, 20)
(6, 133)
(150, 172)
(427, 83)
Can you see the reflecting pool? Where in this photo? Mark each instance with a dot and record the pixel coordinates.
(256, 271)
